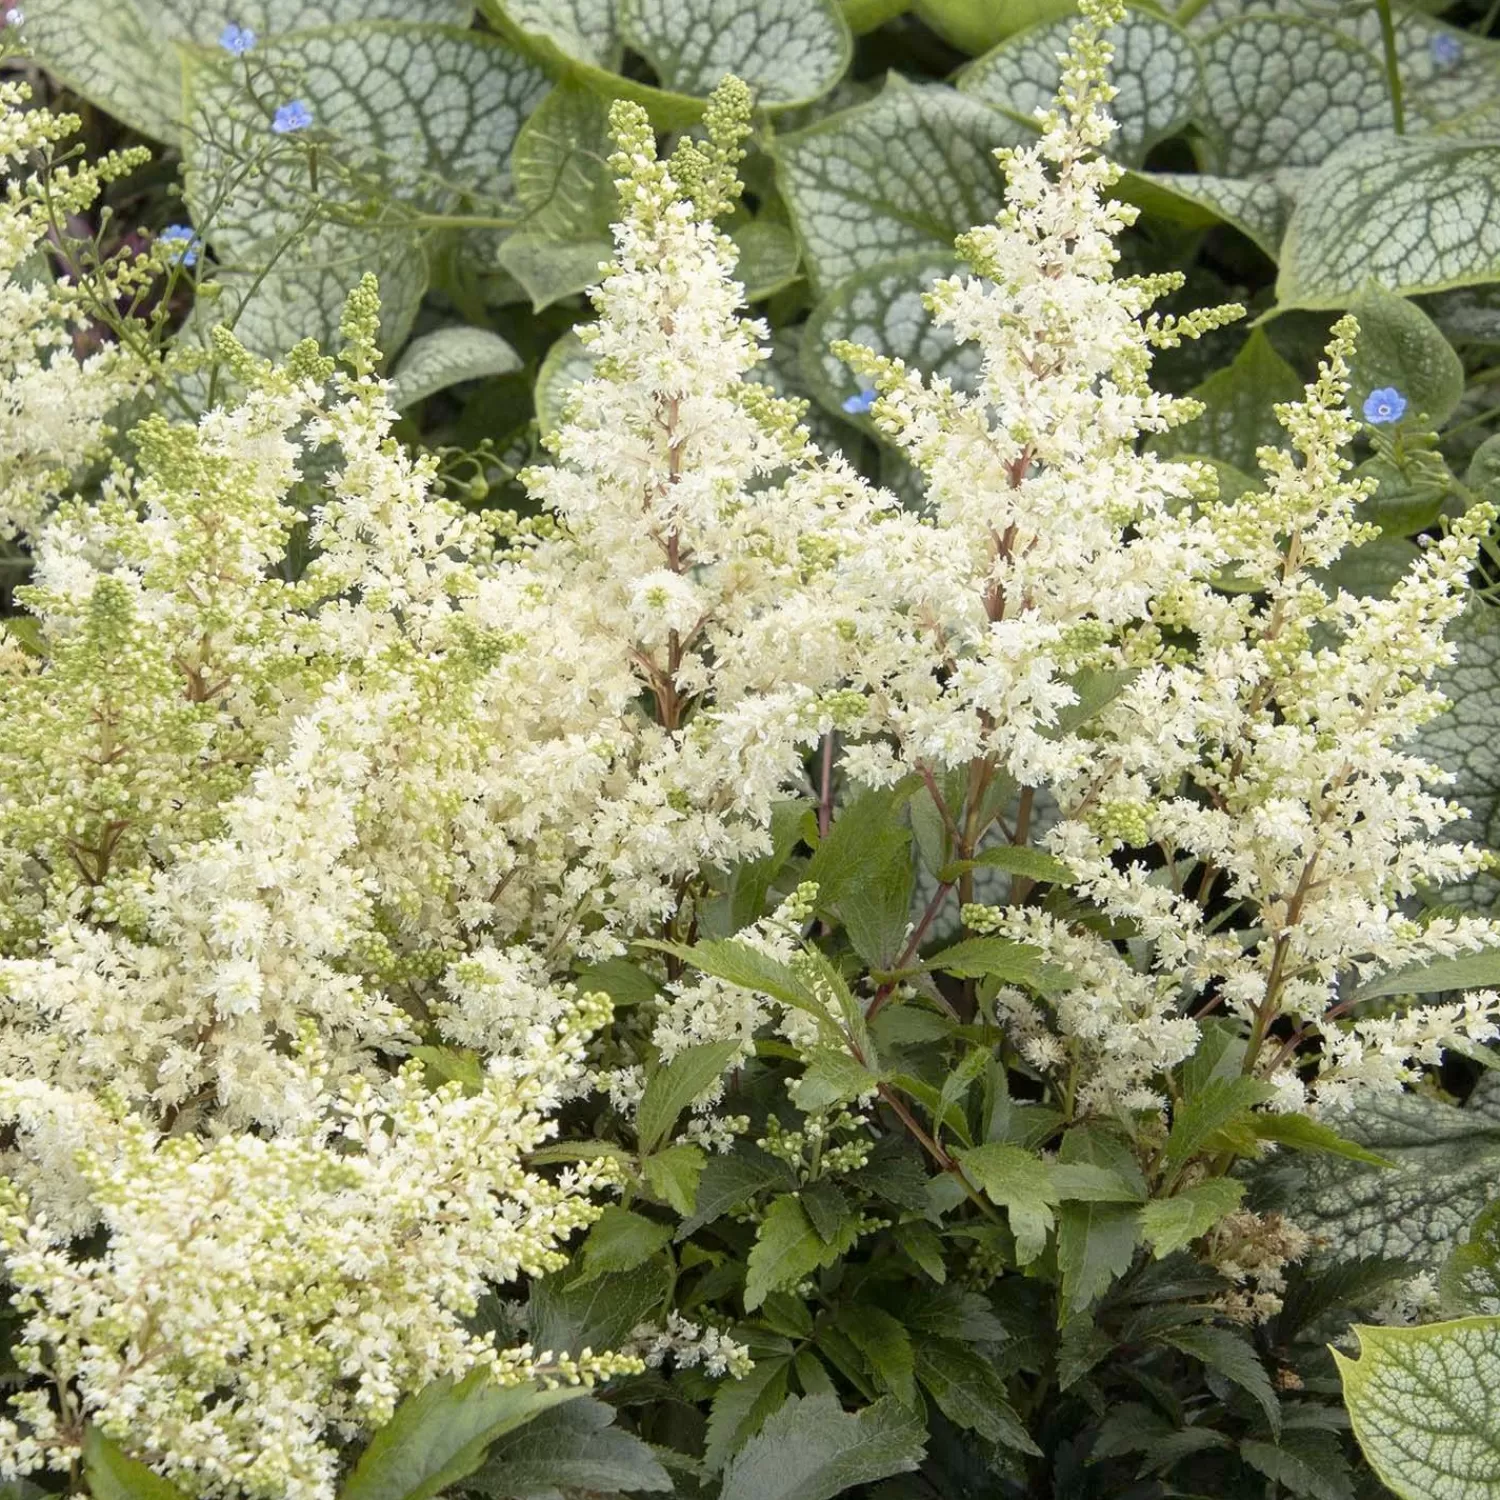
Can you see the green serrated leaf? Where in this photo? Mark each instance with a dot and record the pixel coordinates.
(113, 1474)
(989, 958)
(672, 1175)
(789, 51)
(1085, 1182)
(440, 1435)
(1370, 213)
(1303, 1133)
(1220, 1103)
(1425, 1403)
(600, 1315)
(732, 1179)
(572, 1447)
(811, 1449)
(969, 1392)
(1155, 68)
(619, 1240)
(787, 1249)
(1234, 1357)
(1096, 1243)
(675, 1085)
(885, 1343)
(1020, 1183)
(1282, 91)
(1304, 1461)
(1173, 1223)
(446, 357)
(832, 1077)
(740, 1409)
(1470, 971)
(906, 172)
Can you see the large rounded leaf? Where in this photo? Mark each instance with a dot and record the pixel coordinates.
(1416, 214)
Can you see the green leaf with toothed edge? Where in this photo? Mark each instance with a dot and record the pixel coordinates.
(788, 51)
(812, 1449)
(1415, 214)
(1173, 1223)
(882, 310)
(123, 56)
(906, 172)
(1425, 1404)
(1155, 68)
(573, 1447)
(1280, 91)
(673, 1086)
(445, 357)
(441, 1434)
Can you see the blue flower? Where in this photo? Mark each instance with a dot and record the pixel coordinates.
(1385, 405)
(290, 117)
(1446, 49)
(858, 406)
(185, 236)
(237, 40)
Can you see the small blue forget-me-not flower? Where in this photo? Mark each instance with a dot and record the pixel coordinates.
(1446, 49)
(236, 39)
(1385, 405)
(185, 236)
(290, 117)
(858, 406)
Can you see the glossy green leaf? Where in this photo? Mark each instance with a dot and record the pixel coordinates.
(1280, 91)
(740, 1409)
(441, 1434)
(832, 1077)
(732, 1179)
(675, 1085)
(811, 1449)
(1416, 214)
(113, 1474)
(1155, 68)
(968, 1391)
(1399, 345)
(974, 25)
(1425, 1403)
(572, 1447)
(788, 51)
(1096, 1243)
(906, 172)
(1169, 1224)
(446, 357)
(787, 1249)
(1238, 418)
(1020, 1183)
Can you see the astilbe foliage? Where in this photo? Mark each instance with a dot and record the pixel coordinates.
(265, 833)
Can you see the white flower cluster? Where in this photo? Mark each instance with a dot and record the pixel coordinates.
(264, 833)
(57, 405)
(688, 1344)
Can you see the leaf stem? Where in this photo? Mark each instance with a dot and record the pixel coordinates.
(1392, 65)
